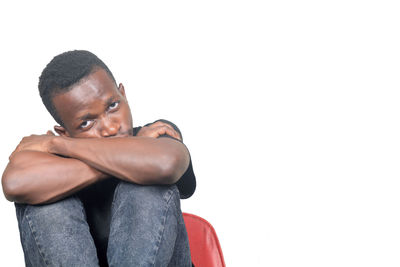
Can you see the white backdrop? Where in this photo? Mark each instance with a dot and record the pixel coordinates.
(290, 110)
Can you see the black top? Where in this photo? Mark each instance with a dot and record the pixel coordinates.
(97, 199)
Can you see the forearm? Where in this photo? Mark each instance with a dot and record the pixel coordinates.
(34, 177)
(143, 160)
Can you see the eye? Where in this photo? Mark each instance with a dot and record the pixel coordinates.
(86, 124)
(113, 105)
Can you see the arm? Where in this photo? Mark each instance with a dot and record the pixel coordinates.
(142, 160)
(35, 177)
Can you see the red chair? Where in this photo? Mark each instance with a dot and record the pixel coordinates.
(203, 241)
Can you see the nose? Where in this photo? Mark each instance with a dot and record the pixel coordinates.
(109, 128)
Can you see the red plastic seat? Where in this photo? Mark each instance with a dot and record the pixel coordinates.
(203, 241)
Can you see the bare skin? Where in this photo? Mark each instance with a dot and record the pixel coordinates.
(94, 143)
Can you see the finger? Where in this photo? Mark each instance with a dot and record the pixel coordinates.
(175, 134)
(171, 132)
(49, 132)
(164, 124)
(160, 123)
(12, 154)
(17, 149)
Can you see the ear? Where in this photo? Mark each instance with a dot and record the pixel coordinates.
(121, 89)
(61, 131)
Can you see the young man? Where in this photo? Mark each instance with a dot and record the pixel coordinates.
(101, 192)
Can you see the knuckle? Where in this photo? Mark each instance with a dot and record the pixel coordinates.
(156, 124)
(163, 124)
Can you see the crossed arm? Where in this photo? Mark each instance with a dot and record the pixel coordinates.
(46, 168)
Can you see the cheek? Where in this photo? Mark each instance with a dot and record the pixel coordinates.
(125, 117)
(92, 133)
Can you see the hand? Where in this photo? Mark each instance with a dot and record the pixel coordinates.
(158, 128)
(36, 143)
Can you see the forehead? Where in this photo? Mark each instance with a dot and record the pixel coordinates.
(89, 94)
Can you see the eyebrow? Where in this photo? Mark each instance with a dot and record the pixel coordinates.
(109, 101)
(87, 116)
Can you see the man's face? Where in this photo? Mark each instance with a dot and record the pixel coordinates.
(94, 108)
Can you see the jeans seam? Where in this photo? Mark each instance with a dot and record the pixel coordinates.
(36, 241)
(161, 232)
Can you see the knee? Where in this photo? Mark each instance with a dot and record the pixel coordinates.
(53, 212)
(147, 196)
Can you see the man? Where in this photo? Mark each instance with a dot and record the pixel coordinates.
(101, 192)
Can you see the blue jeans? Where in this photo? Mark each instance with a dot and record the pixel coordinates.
(146, 229)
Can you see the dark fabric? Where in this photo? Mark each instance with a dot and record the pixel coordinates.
(97, 200)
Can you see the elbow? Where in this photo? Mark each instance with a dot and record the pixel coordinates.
(165, 165)
(11, 189)
(167, 171)
(17, 184)
(9, 195)
(173, 167)
(14, 190)
(11, 182)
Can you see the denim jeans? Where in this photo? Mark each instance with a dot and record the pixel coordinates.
(146, 229)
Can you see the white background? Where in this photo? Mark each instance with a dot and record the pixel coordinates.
(290, 110)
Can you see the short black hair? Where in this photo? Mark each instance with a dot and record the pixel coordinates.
(64, 71)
